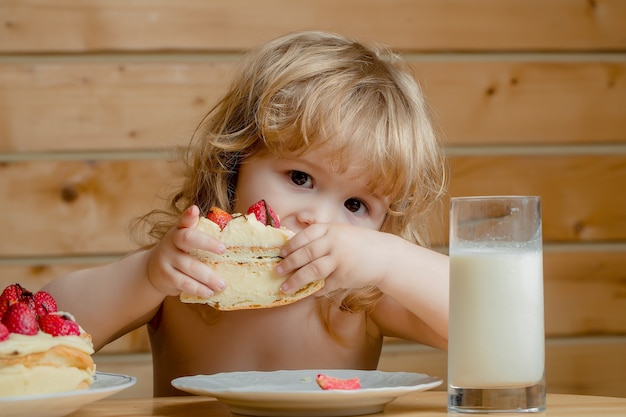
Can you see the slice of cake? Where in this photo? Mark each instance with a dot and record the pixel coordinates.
(253, 242)
(42, 351)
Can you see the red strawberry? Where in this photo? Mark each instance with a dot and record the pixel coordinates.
(328, 382)
(12, 292)
(219, 216)
(44, 303)
(10, 295)
(264, 213)
(58, 325)
(4, 306)
(4, 332)
(20, 319)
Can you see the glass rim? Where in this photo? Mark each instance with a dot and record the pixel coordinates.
(496, 197)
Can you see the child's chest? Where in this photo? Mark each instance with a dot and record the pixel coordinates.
(290, 337)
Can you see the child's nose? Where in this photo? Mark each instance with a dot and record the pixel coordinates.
(318, 214)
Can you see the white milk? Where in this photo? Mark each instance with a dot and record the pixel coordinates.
(496, 334)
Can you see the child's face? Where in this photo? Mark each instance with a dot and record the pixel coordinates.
(304, 190)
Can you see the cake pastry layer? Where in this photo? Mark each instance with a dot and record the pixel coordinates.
(43, 364)
(247, 265)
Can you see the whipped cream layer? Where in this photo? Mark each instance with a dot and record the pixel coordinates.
(246, 240)
(246, 230)
(20, 344)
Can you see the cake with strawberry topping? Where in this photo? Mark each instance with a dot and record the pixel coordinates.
(253, 242)
(42, 350)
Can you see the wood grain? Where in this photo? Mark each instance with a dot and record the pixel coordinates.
(117, 25)
(592, 366)
(584, 291)
(76, 207)
(432, 403)
(84, 207)
(104, 106)
(72, 105)
(579, 193)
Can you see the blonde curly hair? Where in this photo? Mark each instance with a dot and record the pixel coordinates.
(309, 90)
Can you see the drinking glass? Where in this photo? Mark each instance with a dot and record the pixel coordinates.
(496, 340)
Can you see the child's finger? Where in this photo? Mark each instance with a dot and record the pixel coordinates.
(198, 278)
(321, 268)
(303, 238)
(188, 239)
(189, 218)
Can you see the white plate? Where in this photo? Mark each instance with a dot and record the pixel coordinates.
(64, 403)
(291, 393)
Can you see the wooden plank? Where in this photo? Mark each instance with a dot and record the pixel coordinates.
(97, 25)
(122, 105)
(76, 207)
(84, 207)
(585, 366)
(585, 290)
(34, 275)
(580, 202)
(103, 106)
(527, 102)
(590, 366)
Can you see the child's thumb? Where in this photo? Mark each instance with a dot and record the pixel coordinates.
(189, 218)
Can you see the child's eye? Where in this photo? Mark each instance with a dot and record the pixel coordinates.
(355, 206)
(301, 179)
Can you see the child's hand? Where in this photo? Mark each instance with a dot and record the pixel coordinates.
(352, 257)
(172, 270)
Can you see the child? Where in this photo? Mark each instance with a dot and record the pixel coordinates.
(335, 136)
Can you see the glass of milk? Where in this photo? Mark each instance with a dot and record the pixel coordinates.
(496, 340)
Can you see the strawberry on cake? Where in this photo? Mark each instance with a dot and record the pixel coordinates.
(42, 350)
(253, 242)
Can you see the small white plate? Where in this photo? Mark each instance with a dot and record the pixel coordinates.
(64, 403)
(290, 393)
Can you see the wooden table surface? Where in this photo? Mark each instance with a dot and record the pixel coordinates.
(429, 403)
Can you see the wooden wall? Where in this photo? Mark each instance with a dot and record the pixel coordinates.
(530, 96)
